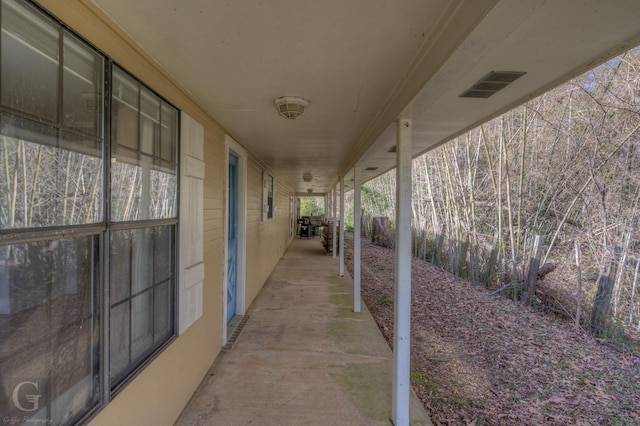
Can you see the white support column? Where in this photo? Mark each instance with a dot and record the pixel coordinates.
(402, 298)
(331, 198)
(335, 222)
(342, 227)
(357, 230)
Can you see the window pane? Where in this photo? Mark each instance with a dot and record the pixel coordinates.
(126, 187)
(164, 198)
(141, 188)
(48, 337)
(143, 320)
(124, 110)
(120, 271)
(30, 56)
(141, 324)
(169, 133)
(141, 259)
(163, 312)
(163, 254)
(82, 87)
(149, 123)
(48, 184)
(119, 340)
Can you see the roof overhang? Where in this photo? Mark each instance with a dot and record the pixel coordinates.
(363, 64)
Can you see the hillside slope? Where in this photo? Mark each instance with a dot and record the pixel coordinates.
(479, 359)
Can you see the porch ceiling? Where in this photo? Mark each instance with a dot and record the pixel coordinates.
(364, 63)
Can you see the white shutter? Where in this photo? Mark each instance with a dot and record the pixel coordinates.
(191, 271)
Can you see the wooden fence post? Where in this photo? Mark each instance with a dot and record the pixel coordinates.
(463, 270)
(532, 274)
(602, 300)
(439, 243)
(491, 264)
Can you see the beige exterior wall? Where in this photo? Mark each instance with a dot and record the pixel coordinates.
(266, 240)
(158, 394)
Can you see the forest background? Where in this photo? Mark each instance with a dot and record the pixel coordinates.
(564, 167)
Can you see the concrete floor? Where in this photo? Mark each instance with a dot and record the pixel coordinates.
(304, 357)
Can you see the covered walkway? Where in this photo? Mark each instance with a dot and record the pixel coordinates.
(304, 357)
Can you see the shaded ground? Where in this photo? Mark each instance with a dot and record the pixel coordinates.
(479, 359)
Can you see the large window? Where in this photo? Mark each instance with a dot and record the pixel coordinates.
(87, 246)
(143, 213)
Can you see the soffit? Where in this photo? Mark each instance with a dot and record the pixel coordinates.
(363, 63)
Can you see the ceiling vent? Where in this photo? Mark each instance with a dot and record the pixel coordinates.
(371, 169)
(392, 149)
(491, 84)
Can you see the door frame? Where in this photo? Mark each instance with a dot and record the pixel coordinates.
(241, 230)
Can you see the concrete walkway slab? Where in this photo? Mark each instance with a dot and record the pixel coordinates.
(304, 357)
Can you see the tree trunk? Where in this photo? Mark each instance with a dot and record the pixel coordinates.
(617, 289)
(579, 293)
(633, 292)
(381, 232)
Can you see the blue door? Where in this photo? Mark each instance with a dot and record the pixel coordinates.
(232, 237)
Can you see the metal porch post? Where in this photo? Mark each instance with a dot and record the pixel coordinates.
(402, 310)
(342, 227)
(357, 225)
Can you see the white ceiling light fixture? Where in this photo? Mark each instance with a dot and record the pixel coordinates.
(291, 107)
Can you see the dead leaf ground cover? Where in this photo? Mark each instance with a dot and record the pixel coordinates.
(480, 359)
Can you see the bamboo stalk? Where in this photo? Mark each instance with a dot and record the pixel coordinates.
(584, 187)
(66, 189)
(633, 291)
(5, 158)
(623, 263)
(507, 180)
(14, 189)
(34, 186)
(579, 272)
(523, 150)
(94, 192)
(24, 182)
(77, 190)
(132, 189)
(452, 191)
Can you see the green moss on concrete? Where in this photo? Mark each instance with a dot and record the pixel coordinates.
(350, 336)
(340, 292)
(361, 381)
(365, 385)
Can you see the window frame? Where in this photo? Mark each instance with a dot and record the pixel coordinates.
(268, 202)
(111, 390)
